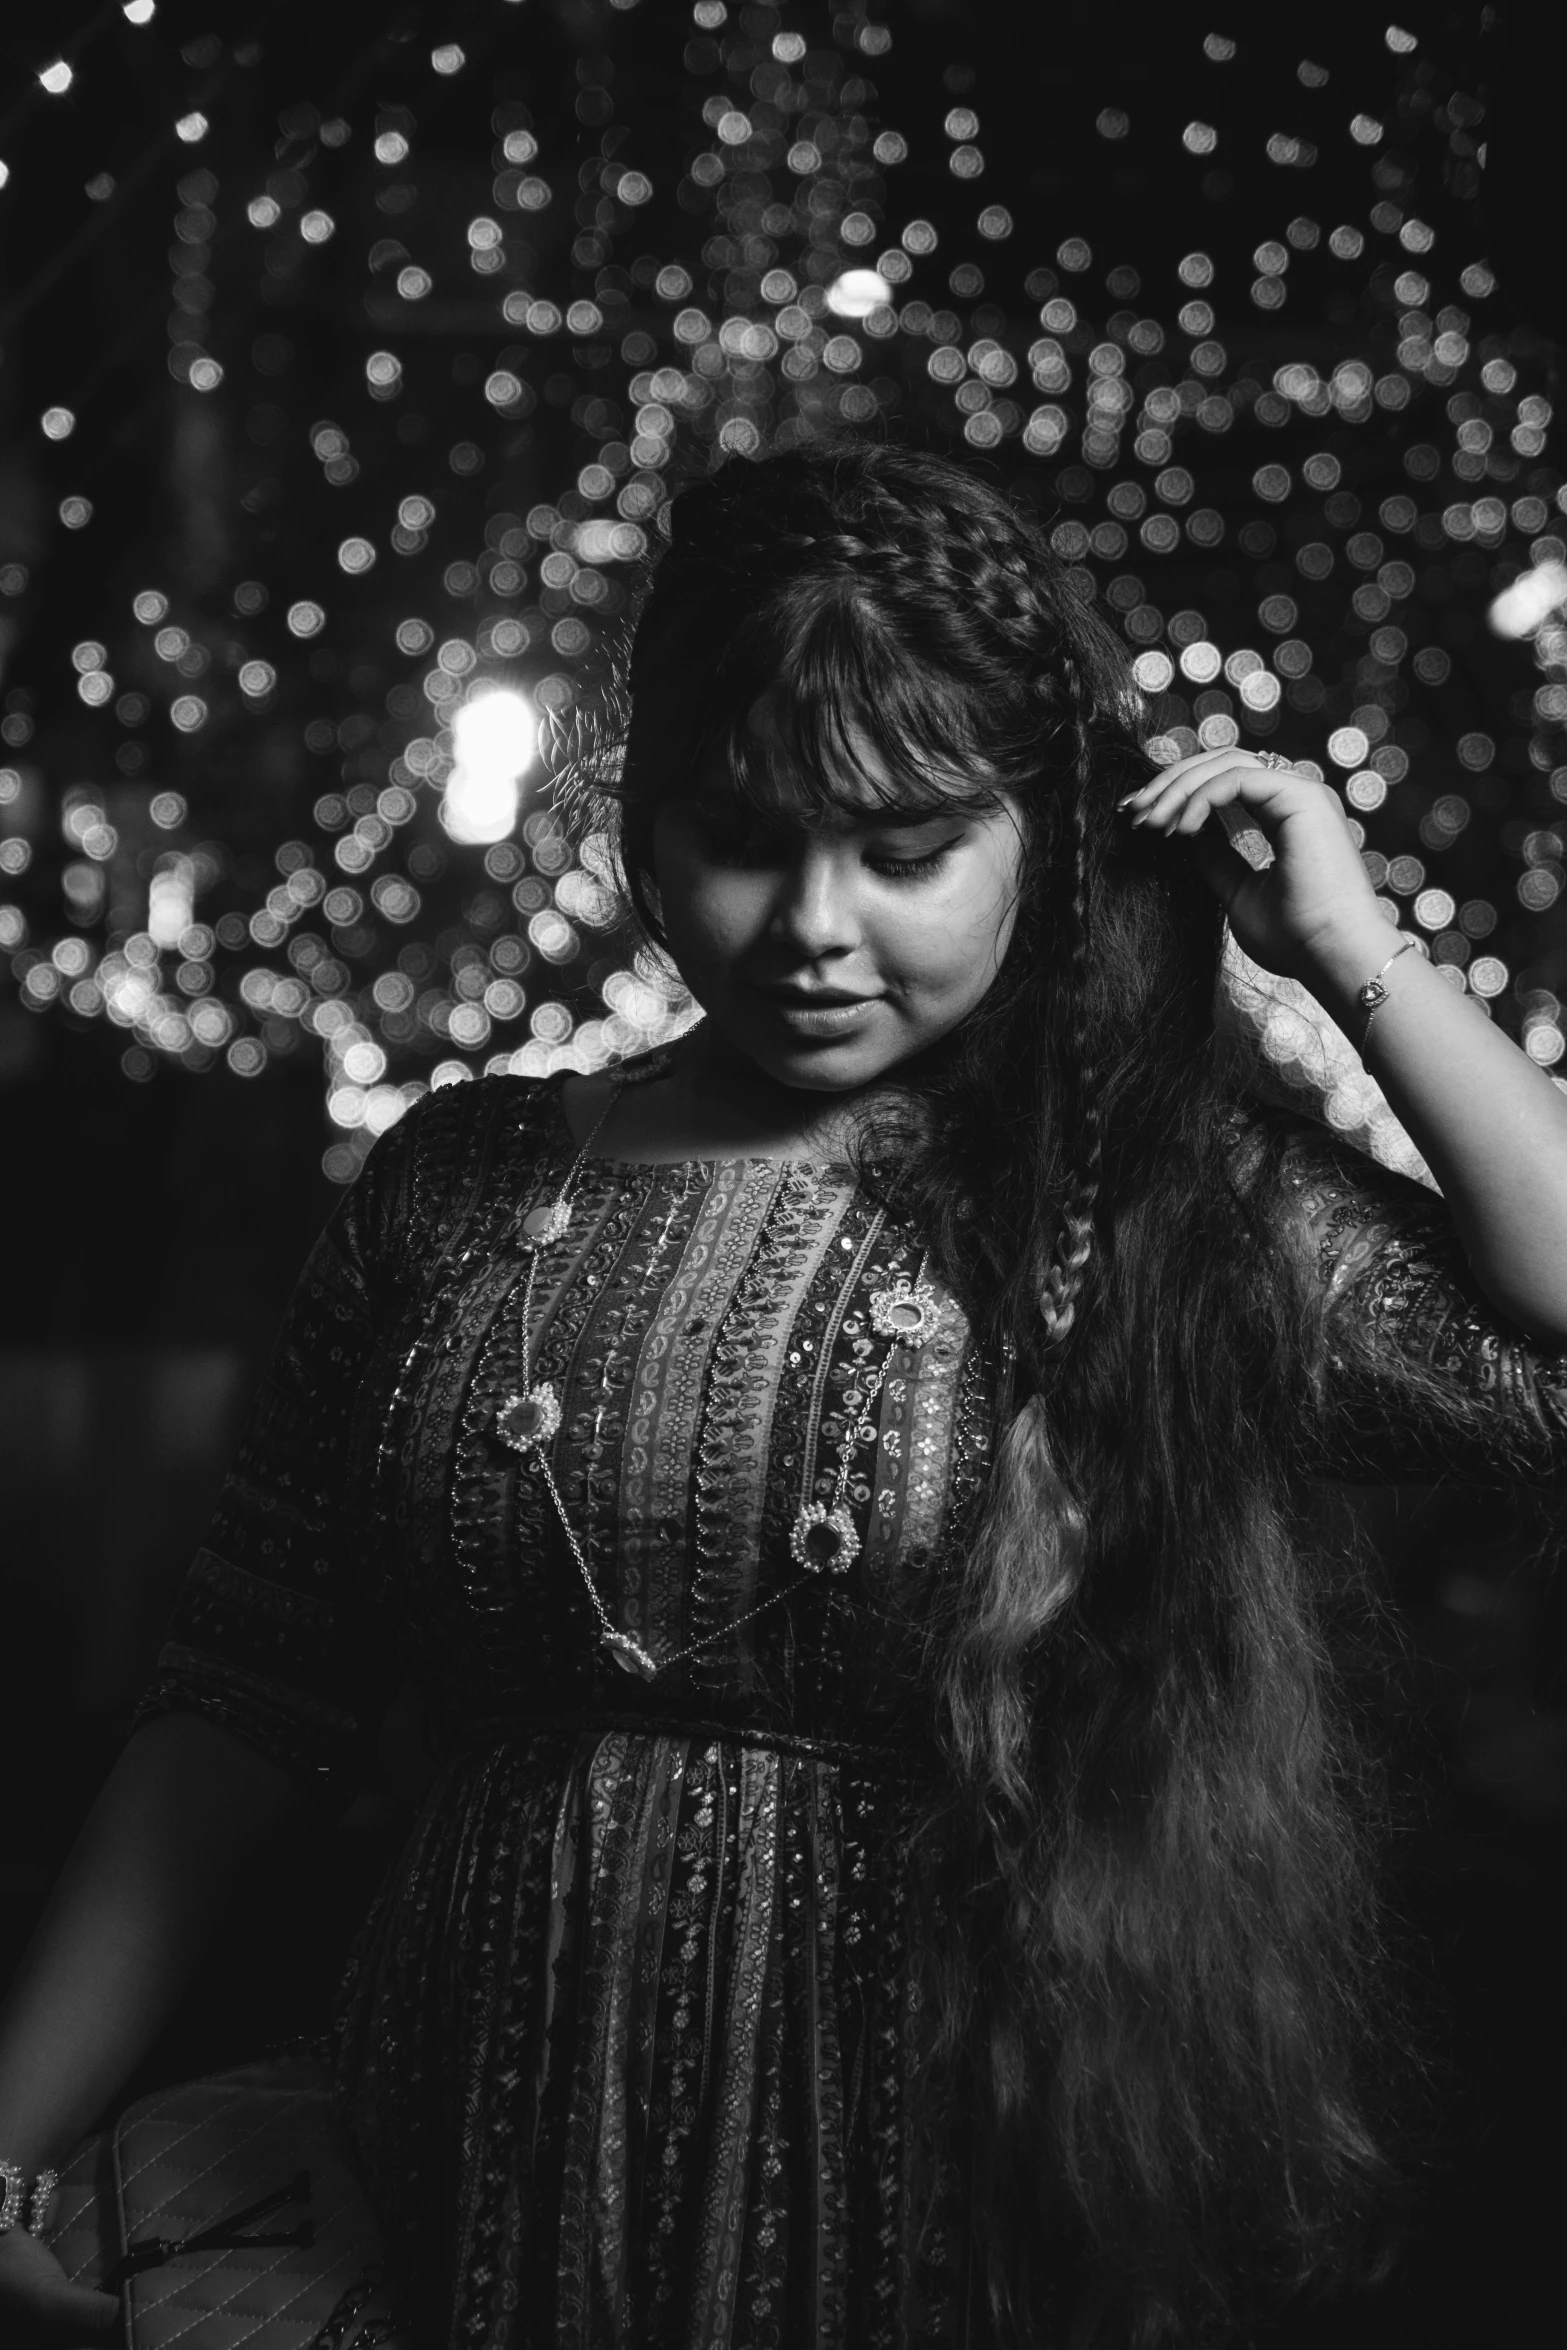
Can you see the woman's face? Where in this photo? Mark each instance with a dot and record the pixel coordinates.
(826, 953)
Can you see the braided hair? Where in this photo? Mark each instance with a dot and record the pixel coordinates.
(1150, 1957)
(827, 542)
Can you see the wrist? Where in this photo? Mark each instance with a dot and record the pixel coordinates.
(1341, 963)
(25, 2195)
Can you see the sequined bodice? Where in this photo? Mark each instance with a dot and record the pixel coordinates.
(706, 1327)
(631, 2039)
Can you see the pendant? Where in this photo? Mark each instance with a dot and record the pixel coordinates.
(527, 1422)
(550, 1222)
(630, 1655)
(824, 1541)
(907, 1311)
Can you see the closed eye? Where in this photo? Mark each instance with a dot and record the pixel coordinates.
(729, 843)
(912, 868)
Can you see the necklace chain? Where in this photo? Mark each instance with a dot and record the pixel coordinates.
(824, 1539)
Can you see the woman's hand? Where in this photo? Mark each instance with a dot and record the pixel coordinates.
(40, 2309)
(1315, 891)
(1488, 1122)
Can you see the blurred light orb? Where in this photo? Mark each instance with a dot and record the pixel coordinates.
(56, 78)
(205, 375)
(139, 11)
(58, 423)
(305, 619)
(391, 147)
(857, 292)
(448, 58)
(355, 555)
(263, 211)
(257, 678)
(191, 127)
(1531, 599)
(76, 513)
(413, 284)
(167, 810)
(171, 897)
(315, 227)
(364, 1063)
(495, 737)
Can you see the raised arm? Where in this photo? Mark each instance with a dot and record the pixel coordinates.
(1489, 1124)
(1424, 1377)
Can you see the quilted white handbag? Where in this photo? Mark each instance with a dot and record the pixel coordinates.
(227, 2215)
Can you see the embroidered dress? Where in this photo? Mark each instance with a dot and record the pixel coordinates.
(626, 2044)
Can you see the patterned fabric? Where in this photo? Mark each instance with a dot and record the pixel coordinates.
(627, 2041)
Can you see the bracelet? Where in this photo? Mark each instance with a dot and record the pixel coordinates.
(1373, 995)
(14, 2181)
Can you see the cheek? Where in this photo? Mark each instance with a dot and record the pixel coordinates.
(951, 945)
(706, 910)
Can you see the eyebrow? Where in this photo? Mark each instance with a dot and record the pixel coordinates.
(881, 819)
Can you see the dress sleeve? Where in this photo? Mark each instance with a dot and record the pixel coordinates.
(269, 1635)
(1422, 1376)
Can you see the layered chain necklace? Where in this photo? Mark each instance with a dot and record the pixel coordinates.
(823, 1540)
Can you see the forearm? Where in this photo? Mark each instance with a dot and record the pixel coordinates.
(1487, 1120)
(125, 1925)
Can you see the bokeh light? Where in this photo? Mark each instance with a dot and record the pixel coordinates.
(1297, 440)
(494, 737)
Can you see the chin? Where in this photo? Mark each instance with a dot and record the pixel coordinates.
(818, 1068)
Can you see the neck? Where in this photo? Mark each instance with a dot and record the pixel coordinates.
(725, 1094)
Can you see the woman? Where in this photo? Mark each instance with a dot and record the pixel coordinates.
(894, 1872)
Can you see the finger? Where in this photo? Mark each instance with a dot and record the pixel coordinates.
(70, 2315)
(1202, 763)
(1201, 792)
(1275, 793)
(1198, 763)
(90, 2312)
(1220, 863)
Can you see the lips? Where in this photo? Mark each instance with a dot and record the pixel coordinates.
(813, 999)
(822, 1013)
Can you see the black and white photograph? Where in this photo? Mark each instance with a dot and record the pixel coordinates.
(783, 1176)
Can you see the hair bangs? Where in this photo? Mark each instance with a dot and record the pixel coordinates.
(832, 714)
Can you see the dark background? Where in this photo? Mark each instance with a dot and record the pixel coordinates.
(155, 1204)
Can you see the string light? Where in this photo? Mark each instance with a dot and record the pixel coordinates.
(780, 317)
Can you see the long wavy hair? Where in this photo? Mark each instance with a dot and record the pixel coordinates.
(1152, 1964)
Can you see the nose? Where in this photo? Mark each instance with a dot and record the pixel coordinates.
(814, 912)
